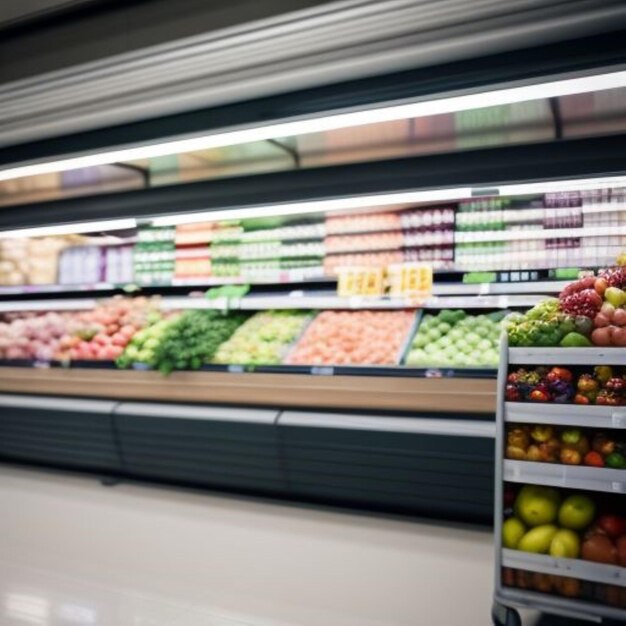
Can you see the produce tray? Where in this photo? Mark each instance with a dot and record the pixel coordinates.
(569, 476)
(567, 356)
(565, 414)
(574, 568)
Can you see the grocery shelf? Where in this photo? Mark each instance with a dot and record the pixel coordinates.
(574, 568)
(545, 233)
(293, 300)
(566, 607)
(529, 287)
(73, 304)
(396, 393)
(565, 414)
(567, 356)
(18, 290)
(569, 476)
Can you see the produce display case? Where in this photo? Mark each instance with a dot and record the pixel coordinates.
(559, 515)
(260, 317)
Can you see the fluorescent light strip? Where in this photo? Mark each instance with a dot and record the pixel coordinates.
(453, 104)
(317, 206)
(70, 229)
(383, 200)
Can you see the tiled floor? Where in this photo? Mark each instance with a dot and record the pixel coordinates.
(75, 553)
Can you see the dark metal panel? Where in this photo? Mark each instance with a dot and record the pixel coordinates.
(433, 475)
(76, 439)
(482, 167)
(211, 451)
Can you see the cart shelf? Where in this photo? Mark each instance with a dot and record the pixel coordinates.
(565, 414)
(573, 568)
(567, 356)
(567, 607)
(582, 478)
(568, 476)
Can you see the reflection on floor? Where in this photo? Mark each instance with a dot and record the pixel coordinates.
(75, 553)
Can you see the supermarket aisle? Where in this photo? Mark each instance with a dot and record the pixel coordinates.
(75, 553)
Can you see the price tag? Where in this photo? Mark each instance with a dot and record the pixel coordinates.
(323, 371)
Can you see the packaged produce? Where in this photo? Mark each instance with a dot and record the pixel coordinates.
(456, 339)
(353, 338)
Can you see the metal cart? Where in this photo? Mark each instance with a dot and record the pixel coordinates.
(508, 597)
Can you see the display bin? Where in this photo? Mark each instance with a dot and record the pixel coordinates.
(574, 588)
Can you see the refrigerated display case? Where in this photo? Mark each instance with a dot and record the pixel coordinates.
(194, 331)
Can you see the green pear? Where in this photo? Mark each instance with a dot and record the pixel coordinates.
(565, 544)
(512, 531)
(538, 539)
(536, 505)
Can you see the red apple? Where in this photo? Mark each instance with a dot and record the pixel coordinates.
(601, 336)
(618, 336)
(619, 318)
(601, 320)
(613, 525)
(607, 309)
(600, 285)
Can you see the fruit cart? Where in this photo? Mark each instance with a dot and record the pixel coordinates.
(559, 522)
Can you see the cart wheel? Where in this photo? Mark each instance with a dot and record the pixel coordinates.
(505, 616)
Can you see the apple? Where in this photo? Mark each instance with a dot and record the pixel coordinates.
(615, 296)
(600, 285)
(620, 317)
(577, 512)
(565, 544)
(613, 525)
(537, 505)
(618, 336)
(512, 531)
(533, 453)
(600, 549)
(569, 456)
(601, 320)
(607, 310)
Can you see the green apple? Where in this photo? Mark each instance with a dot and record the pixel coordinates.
(577, 512)
(565, 544)
(536, 505)
(512, 531)
(538, 539)
(615, 296)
